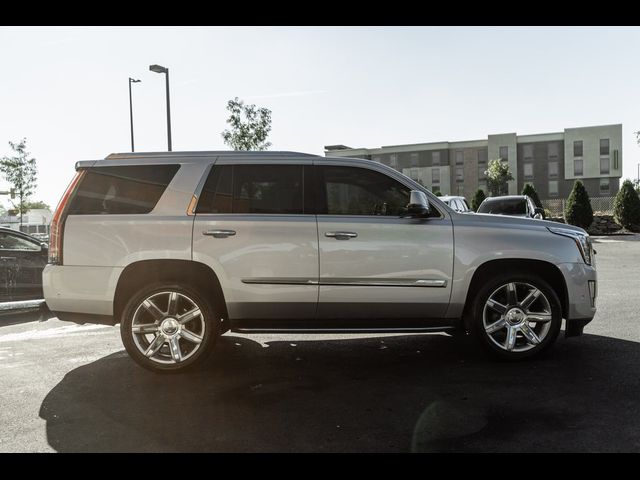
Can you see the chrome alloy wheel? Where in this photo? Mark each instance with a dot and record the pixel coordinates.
(517, 325)
(168, 327)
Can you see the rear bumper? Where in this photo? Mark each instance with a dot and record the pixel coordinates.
(582, 287)
(80, 289)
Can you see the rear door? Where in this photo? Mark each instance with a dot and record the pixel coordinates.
(256, 228)
(374, 264)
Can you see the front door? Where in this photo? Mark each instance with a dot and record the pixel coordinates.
(374, 264)
(253, 228)
(21, 263)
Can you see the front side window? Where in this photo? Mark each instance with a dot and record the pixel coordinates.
(257, 189)
(504, 206)
(360, 191)
(127, 189)
(9, 241)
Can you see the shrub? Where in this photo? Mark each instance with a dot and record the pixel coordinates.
(477, 199)
(530, 191)
(578, 209)
(626, 206)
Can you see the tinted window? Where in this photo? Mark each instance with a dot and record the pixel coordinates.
(121, 190)
(359, 191)
(506, 206)
(268, 189)
(9, 241)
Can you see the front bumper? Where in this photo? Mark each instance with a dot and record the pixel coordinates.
(582, 290)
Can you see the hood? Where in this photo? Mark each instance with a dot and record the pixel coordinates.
(505, 221)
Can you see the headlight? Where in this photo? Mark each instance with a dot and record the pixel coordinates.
(583, 241)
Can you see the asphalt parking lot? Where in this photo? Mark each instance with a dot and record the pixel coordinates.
(72, 388)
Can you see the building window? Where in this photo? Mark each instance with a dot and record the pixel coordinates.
(604, 146)
(577, 148)
(504, 153)
(459, 157)
(459, 174)
(528, 152)
(413, 159)
(393, 160)
(552, 151)
(553, 169)
(461, 190)
(577, 167)
(604, 185)
(553, 188)
(435, 175)
(604, 165)
(528, 170)
(435, 158)
(481, 171)
(482, 186)
(482, 156)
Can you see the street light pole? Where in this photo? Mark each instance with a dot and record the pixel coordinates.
(131, 80)
(161, 69)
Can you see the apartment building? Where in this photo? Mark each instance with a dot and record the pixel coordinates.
(550, 161)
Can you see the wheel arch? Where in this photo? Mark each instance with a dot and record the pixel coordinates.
(546, 270)
(195, 274)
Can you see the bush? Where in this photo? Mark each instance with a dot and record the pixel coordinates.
(530, 191)
(477, 199)
(578, 209)
(626, 206)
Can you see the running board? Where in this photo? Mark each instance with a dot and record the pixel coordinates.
(343, 330)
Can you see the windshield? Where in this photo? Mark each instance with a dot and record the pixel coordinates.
(505, 206)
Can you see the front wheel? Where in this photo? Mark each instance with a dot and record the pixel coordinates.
(516, 316)
(168, 328)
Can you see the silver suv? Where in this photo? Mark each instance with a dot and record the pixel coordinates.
(180, 247)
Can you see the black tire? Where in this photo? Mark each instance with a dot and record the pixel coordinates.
(208, 328)
(490, 287)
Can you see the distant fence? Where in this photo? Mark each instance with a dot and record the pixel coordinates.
(602, 205)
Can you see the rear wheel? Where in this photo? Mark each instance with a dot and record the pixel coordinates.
(516, 316)
(169, 328)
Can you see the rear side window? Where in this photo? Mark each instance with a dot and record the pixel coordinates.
(267, 189)
(121, 190)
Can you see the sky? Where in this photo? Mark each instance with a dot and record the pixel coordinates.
(66, 88)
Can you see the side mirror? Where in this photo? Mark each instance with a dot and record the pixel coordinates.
(44, 247)
(418, 204)
(538, 213)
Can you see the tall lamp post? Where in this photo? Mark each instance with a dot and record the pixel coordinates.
(160, 69)
(131, 80)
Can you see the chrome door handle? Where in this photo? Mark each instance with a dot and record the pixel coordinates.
(220, 233)
(341, 235)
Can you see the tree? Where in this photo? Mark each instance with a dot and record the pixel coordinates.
(626, 206)
(250, 126)
(498, 175)
(35, 205)
(578, 209)
(477, 199)
(20, 171)
(531, 192)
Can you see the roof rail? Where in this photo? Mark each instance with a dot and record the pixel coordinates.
(212, 153)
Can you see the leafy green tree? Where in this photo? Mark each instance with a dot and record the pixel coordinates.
(578, 210)
(250, 126)
(531, 192)
(21, 172)
(498, 175)
(477, 199)
(36, 205)
(626, 206)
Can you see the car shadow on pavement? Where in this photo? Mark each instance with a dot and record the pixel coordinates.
(425, 393)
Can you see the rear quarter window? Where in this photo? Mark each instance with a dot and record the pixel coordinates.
(130, 189)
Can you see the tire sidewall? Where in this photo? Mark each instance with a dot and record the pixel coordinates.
(477, 327)
(209, 338)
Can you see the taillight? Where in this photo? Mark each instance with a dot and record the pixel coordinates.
(57, 223)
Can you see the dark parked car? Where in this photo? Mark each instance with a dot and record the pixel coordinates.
(512, 205)
(22, 259)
